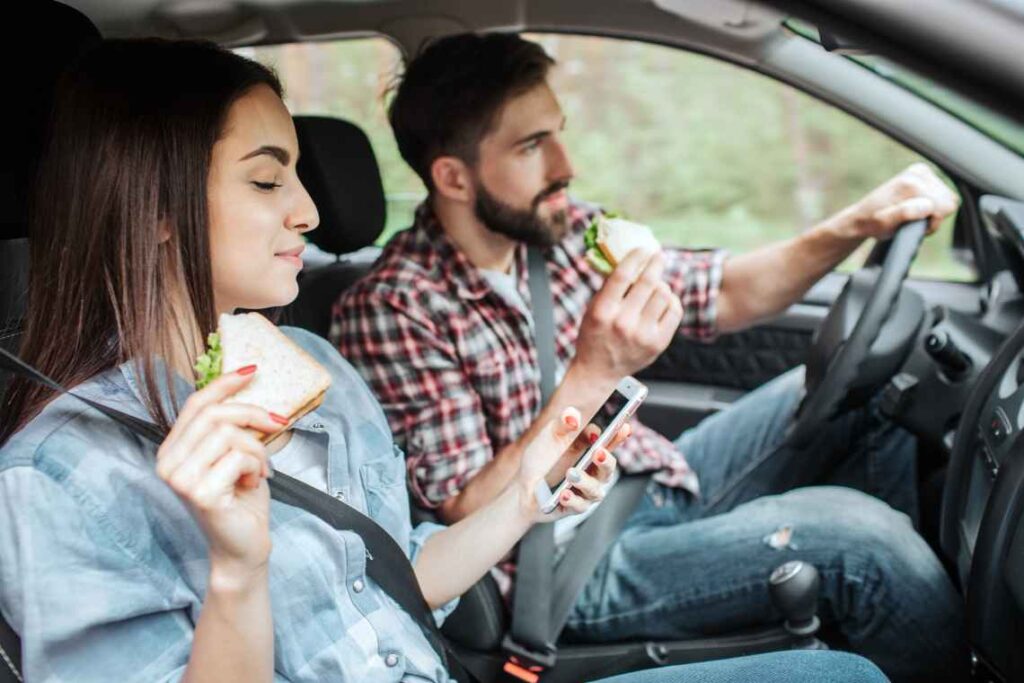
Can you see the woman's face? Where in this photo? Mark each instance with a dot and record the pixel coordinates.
(258, 208)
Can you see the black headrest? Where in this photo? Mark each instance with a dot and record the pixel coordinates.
(57, 35)
(338, 168)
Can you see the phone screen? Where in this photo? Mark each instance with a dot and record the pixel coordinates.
(613, 405)
(602, 420)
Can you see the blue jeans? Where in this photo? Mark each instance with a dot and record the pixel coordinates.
(688, 566)
(807, 666)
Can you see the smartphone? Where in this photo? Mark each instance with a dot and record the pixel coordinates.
(609, 419)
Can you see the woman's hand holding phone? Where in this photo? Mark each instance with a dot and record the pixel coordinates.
(560, 444)
(219, 469)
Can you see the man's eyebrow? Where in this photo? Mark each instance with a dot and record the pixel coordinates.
(538, 135)
(278, 153)
(533, 137)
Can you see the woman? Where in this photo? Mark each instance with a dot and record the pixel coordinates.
(168, 195)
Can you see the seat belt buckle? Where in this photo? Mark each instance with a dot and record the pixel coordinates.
(526, 664)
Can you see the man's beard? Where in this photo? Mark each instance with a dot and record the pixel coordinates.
(522, 225)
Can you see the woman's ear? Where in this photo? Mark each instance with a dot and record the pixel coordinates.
(452, 179)
(163, 231)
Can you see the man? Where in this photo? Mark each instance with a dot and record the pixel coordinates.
(441, 330)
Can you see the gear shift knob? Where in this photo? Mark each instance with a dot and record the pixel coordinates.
(794, 588)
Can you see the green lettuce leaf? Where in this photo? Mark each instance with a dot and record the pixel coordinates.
(590, 236)
(594, 254)
(208, 365)
(599, 262)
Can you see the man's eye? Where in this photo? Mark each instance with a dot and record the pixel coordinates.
(531, 146)
(266, 187)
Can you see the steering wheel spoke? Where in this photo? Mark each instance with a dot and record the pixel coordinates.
(844, 342)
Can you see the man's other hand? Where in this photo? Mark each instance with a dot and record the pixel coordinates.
(912, 194)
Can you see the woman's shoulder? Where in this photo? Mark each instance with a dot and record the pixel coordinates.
(68, 433)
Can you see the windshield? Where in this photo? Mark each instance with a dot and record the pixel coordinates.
(1005, 131)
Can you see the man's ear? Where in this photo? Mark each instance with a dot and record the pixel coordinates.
(452, 179)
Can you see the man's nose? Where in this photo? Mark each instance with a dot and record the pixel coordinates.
(560, 168)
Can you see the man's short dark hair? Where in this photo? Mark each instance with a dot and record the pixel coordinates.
(454, 90)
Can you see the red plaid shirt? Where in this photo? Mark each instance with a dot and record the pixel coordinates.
(454, 364)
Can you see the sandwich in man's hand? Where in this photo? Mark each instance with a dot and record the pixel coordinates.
(288, 380)
(609, 239)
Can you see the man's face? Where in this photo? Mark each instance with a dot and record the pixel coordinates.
(523, 170)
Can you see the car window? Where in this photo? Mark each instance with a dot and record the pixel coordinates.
(707, 153)
(711, 154)
(349, 79)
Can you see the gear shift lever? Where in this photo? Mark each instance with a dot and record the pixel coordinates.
(794, 588)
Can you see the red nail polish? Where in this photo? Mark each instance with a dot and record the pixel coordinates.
(572, 422)
(566, 497)
(593, 437)
(247, 370)
(601, 457)
(279, 419)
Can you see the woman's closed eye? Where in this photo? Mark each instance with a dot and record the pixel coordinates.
(265, 187)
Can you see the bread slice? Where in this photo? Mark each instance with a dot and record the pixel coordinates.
(616, 237)
(288, 380)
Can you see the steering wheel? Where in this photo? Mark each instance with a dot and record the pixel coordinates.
(841, 346)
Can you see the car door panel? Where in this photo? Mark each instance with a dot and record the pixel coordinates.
(692, 380)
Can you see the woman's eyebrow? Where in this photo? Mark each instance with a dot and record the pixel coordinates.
(278, 153)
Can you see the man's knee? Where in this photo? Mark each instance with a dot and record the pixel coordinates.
(867, 533)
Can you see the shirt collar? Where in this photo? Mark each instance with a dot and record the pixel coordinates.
(454, 265)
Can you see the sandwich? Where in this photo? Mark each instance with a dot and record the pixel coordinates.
(609, 239)
(288, 380)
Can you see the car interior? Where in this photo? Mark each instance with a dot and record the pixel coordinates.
(947, 357)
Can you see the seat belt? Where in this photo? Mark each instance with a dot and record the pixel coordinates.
(530, 643)
(386, 562)
(544, 595)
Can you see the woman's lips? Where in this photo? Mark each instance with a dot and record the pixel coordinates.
(292, 256)
(294, 260)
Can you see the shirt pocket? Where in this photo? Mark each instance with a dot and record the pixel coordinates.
(387, 501)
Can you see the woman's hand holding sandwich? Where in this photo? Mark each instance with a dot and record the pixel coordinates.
(218, 468)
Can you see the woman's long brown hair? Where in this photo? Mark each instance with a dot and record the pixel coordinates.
(119, 223)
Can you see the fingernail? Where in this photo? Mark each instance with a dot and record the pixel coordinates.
(601, 457)
(566, 497)
(573, 475)
(279, 419)
(247, 370)
(592, 437)
(571, 422)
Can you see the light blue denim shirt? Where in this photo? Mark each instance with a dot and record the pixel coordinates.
(103, 570)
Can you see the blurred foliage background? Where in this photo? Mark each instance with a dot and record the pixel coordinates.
(707, 153)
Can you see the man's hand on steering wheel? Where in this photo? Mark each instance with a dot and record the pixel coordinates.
(915, 193)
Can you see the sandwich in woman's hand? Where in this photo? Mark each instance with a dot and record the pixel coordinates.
(609, 239)
(288, 380)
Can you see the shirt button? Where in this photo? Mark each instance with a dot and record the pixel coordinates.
(391, 659)
(318, 425)
(340, 495)
(358, 585)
